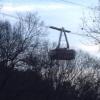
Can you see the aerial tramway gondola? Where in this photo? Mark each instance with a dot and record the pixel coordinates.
(62, 53)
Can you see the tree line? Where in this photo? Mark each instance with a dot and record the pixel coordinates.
(26, 72)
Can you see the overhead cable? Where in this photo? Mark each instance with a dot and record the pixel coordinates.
(15, 17)
(77, 4)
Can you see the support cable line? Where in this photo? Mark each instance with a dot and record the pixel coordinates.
(53, 27)
(59, 29)
(5, 14)
(77, 4)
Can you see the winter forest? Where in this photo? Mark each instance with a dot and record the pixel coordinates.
(28, 73)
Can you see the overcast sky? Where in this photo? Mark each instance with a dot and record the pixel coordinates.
(57, 13)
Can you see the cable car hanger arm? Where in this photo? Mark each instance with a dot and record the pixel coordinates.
(59, 29)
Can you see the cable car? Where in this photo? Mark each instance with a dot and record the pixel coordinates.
(62, 53)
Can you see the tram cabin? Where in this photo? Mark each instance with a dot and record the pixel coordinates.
(62, 54)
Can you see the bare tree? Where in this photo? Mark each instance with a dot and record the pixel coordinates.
(91, 25)
(17, 40)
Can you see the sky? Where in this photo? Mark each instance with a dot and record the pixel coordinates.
(59, 13)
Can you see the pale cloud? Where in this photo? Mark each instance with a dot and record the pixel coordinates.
(91, 49)
(21, 8)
